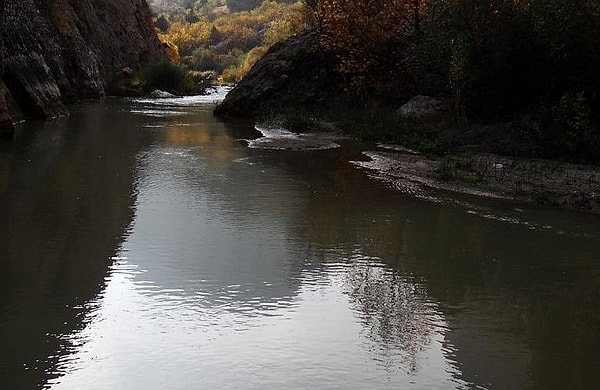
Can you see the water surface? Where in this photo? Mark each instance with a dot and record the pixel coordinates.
(144, 245)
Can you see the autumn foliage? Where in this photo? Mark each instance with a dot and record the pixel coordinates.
(212, 38)
(370, 37)
(494, 59)
(500, 45)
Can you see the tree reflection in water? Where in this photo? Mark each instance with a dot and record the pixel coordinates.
(394, 311)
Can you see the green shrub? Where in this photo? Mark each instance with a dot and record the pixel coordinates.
(573, 127)
(204, 59)
(165, 76)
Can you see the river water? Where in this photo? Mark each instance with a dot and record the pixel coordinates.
(144, 245)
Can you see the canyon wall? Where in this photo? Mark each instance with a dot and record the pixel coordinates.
(58, 51)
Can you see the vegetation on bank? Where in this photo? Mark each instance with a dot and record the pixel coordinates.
(522, 136)
(519, 76)
(530, 64)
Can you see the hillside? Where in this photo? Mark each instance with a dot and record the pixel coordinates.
(208, 40)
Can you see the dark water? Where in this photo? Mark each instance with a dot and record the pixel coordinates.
(144, 246)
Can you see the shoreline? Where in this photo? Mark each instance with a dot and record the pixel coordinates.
(524, 180)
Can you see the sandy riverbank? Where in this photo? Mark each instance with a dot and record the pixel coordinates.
(527, 180)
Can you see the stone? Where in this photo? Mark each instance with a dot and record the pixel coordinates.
(127, 71)
(161, 94)
(423, 107)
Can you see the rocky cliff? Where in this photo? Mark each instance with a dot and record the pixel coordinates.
(295, 73)
(62, 50)
(5, 120)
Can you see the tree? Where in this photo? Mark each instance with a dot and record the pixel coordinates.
(162, 23)
(370, 38)
(191, 16)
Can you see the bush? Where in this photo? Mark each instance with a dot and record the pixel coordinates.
(204, 59)
(574, 130)
(165, 76)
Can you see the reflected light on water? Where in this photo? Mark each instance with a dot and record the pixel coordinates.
(213, 289)
(329, 334)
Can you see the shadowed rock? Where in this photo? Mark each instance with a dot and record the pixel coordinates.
(6, 126)
(296, 72)
(423, 107)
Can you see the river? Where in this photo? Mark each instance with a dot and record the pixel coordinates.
(145, 245)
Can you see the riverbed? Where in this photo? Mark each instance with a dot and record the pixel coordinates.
(145, 244)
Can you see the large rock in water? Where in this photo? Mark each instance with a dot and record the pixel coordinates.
(61, 50)
(297, 72)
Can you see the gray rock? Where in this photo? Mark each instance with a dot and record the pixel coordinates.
(161, 94)
(423, 107)
(127, 71)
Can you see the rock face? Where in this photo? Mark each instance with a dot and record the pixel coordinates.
(62, 50)
(6, 126)
(297, 72)
(5, 120)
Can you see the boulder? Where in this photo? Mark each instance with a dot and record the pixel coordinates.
(297, 72)
(127, 72)
(161, 94)
(423, 107)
